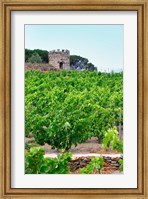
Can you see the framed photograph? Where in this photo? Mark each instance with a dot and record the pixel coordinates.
(73, 99)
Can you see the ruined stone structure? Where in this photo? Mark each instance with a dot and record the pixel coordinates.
(59, 59)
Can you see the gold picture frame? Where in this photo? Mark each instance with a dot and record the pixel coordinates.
(6, 6)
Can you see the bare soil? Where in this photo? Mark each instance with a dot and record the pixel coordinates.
(90, 146)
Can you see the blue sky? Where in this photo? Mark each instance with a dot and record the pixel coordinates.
(102, 45)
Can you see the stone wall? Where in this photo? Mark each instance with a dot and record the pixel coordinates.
(112, 161)
(59, 59)
(110, 165)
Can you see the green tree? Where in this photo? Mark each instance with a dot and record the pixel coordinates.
(83, 63)
(43, 54)
(35, 58)
(90, 67)
(75, 58)
(28, 54)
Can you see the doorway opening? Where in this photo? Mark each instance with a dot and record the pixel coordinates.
(61, 65)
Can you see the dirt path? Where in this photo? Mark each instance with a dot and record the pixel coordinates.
(91, 146)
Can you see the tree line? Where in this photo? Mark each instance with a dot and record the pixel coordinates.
(36, 56)
(41, 56)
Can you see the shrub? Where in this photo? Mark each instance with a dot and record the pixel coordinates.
(111, 138)
(121, 165)
(35, 163)
(96, 163)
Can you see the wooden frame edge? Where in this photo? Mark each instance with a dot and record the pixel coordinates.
(1, 100)
(146, 101)
(7, 191)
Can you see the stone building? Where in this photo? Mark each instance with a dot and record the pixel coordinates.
(59, 59)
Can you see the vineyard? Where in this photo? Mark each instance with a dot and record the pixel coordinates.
(66, 108)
